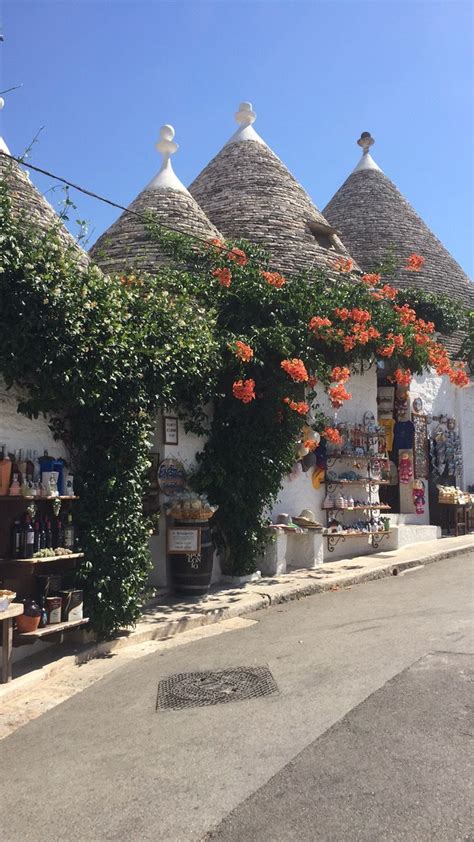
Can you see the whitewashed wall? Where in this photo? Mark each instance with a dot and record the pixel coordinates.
(298, 493)
(17, 431)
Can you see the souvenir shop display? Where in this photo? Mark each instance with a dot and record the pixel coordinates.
(360, 460)
(419, 496)
(445, 448)
(420, 446)
(39, 542)
(405, 466)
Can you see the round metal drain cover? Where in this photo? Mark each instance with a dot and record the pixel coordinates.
(215, 687)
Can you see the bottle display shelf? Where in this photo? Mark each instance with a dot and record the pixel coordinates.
(42, 560)
(365, 481)
(54, 628)
(36, 498)
(369, 507)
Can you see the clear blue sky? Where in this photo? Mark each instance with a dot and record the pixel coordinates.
(103, 76)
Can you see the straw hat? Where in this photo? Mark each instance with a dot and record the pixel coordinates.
(307, 519)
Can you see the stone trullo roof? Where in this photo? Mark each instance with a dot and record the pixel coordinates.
(248, 192)
(373, 217)
(28, 203)
(127, 244)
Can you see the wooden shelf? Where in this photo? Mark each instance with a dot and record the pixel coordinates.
(43, 560)
(55, 628)
(356, 534)
(357, 481)
(381, 507)
(35, 497)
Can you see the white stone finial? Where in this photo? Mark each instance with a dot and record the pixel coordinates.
(166, 179)
(366, 162)
(3, 146)
(245, 116)
(365, 141)
(166, 144)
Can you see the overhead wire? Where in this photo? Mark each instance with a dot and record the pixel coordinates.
(109, 202)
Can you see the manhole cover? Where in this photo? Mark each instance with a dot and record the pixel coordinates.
(215, 687)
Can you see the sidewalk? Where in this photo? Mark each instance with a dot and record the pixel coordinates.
(168, 617)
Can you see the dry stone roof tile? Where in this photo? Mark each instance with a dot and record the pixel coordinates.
(247, 192)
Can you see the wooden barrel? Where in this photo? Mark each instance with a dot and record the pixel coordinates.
(191, 573)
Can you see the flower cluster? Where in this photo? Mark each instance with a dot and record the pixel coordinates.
(244, 390)
(338, 394)
(332, 435)
(311, 444)
(224, 276)
(340, 375)
(402, 377)
(414, 263)
(242, 351)
(320, 325)
(372, 279)
(295, 369)
(297, 406)
(386, 291)
(274, 279)
(238, 256)
(343, 264)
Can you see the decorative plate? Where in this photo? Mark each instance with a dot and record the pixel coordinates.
(171, 476)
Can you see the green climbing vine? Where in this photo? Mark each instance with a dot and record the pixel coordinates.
(101, 354)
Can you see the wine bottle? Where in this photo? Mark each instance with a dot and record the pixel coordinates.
(37, 537)
(44, 613)
(59, 534)
(17, 534)
(49, 535)
(28, 538)
(42, 536)
(69, 533)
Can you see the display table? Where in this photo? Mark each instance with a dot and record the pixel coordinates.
(6, 619)
(455, 517)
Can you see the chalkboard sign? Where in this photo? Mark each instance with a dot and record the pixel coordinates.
(420, 447)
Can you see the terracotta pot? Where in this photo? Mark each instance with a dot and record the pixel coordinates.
(27, 624)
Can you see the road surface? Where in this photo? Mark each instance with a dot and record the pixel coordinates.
(367, 737)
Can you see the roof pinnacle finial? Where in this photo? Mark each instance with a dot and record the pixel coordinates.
(166, 178)
(166, 144)
(245, 116)
(365, 141)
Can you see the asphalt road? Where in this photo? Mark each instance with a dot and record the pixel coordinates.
(367, 738)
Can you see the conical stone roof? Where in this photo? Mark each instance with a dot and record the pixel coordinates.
(28, 203)
(373, 217)
(127, 245)
(247, 192)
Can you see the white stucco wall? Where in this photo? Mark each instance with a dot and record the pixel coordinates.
(17, 431)
(298, 493)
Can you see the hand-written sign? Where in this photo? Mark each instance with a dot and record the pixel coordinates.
(184, 540)
(420, 447)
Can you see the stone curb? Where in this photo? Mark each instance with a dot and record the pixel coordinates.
(257, 599)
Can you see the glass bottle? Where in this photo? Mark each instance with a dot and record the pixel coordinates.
(69, 533)
(28, 538)
(15, 489)
(5, 470)
(17, 534)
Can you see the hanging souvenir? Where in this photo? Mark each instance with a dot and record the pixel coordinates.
(405, 468)
(171, 476)
(419, 496)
